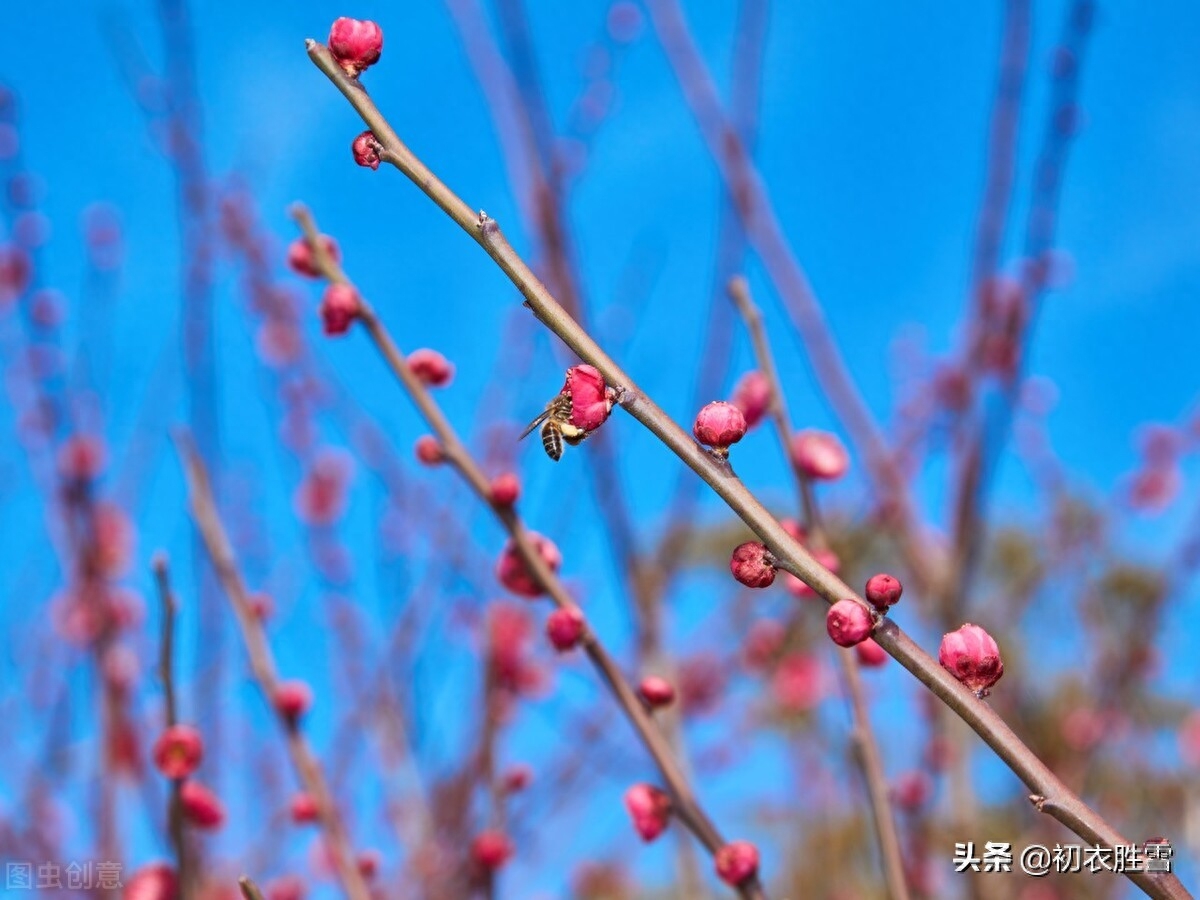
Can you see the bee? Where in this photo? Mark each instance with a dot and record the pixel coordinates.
(556, 427)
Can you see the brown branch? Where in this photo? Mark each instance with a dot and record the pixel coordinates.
(792, 557)
(249, 889)
(166, 672)
(262, 664)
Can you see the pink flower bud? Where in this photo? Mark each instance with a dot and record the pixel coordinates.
(656, 691)
(752, 565)
(591, 398)
(819, 455)
(340, 306)
(505, 489)
(718, 425)
(304, 808)
(884, 590)
(650, 810)
(366, 149)
(911, 790)
(848, 623)
(429, 450)
(491, 850)
(300, 257)
(517, 778)
(564, 627)
(201, 806)
(155, 881)
(431, 367)
(752, 395)
(795, 530)
(292, 700)
(736, 862)
(798, 684)
(512, 572)
(763, 642)
(81, 457)
(262, 605)
(178, 751)
(971, 656)
(798, 588)
(870, 654)
(285, 887)
(368, 863)
(355, 44)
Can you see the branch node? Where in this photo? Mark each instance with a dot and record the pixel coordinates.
(1038, 801)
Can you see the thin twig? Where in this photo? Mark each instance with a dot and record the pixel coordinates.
(166, 672)
(249, 889)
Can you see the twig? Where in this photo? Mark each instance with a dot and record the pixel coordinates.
(262, 664)
(249, 889)
(792, 557)
(166, 672)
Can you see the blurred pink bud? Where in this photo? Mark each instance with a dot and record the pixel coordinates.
(491, 850)
(719, 425)
(368, 863)
(971, 656)
(797, 588)
(300, 258)
(517, 778)
(178, 751)
(870, 654)
(763, 642)
(120, 667)
(1152, 489)
(512, 572)
(657, 691)
(848, 623)
(355, 44)
(320, 498)
(795, 530)
(292, 700)
(155, 881)
(564, 627)
(591, 399)
(304, 808)
(285, 887)
(753, 565)
(201, 807)
(798, 683)
(433, 369)
(650, 810)
(911, 790)
(819, 455)
(428, 450)
(114, 538)
(752, 395)
(15, 273)
(262, 606)
(81, 457)
(736, 862)
(366, 149)
(340, 306)
(883, 590)
(700, 682)
(1189, 739)
(624, 21)
(505, 488)
(1082, 728)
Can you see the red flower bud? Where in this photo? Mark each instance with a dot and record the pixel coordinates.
(156, 881)
(285, 887)
(848, 623)
(736, 862)
(884, 590)
(304, 808)
(591, 398)
(355, 44)
(491, 850)
(300, 257)
(564, 627)
(512, 572)
(517, 778)
(971, 656)
(292, 700)
(81, 457)
(795, 530)
(178, 751)
(798, 588)
(431, 367)
(505, 489)
(368, 863)
(262, 605)
(752, 395)
(650, 810)
(201, 806)
(340, 306)
(870, 654)
(752, 565)
(911, 790)
(429, 450)
(656, 691)
(819, 455)
(718, 425)
(366, 149)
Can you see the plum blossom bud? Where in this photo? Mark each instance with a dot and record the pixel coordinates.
(178, 751)
(340, 306)
(656, 691)
(431, 367)
(753, 565)
(798, 684)
(795, 530)
(366, 149)
(512, 572)
(736, 862)
(428, 450)
(355, 44)
(304, 808)
(798, 588)
(301, 260)
(564, 627)
(884, 590)
(752, 395)
(262, 605)
(292, 700)
(591, 398)
(201, 807)
(491, 850)
(718, 425)
(650, 810)
(819, 455)
(971, 655)
(912, 789)
(763, 642)
(870, 654)
(848, 623)
(368, 863)
(505, 489)
(517, 778)
(285, 887)
(155, 881)
(81, 457)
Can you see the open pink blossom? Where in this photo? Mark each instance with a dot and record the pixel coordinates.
(512, 572)
(971, 655)
(650, 810)
(355, 44)
(819, 455)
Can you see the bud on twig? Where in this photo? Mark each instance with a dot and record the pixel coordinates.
(355, 44)
(564, 627)
(971, 655)
(736, 862)
(848, 623)
(752, 565)
(650, 809)
(719, 425)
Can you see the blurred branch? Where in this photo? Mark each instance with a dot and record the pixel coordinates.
(166, 670)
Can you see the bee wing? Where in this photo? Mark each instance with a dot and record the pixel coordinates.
(535, 423)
